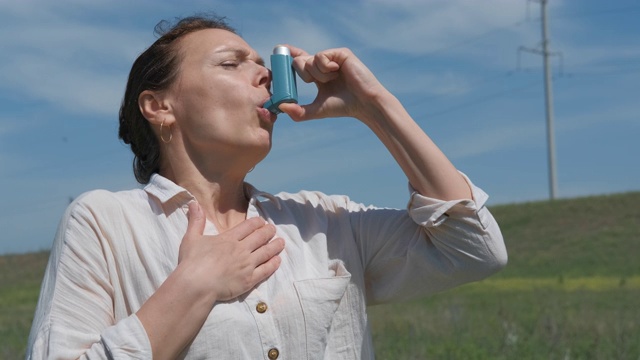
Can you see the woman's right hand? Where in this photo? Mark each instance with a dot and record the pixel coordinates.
(229, 264)
(210, 269)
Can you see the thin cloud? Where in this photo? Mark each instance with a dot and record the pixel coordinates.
(7, 126)
(494, 138)
(426, 83)
(505, 135)
(303, 33)
(73, 89)
(71, 65)
(317, 162)
(419, 27)
(289, 138)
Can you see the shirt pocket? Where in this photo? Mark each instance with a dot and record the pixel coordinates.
(327, 317)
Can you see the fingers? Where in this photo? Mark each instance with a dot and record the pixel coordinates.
(264, 250)
(321, 67)
(266, 269)
(318, 68)
(261, 237)
(196, 220)
(260, 242)
(295, 51)
(232, 262)
(253, 233)
(296, 112)
(268, 251)
(333, 73)
(248, 227)
(299, 58)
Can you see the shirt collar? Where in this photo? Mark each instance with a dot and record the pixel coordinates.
(168, 192)
(254, 195)
(165, 190)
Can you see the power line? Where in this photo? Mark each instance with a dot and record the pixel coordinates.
(599, 12)
(484, 80)
(595, 71)
(448, 47)
(481, 99)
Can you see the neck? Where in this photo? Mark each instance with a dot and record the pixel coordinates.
(224, 202)
(215, 179)
(220, 194)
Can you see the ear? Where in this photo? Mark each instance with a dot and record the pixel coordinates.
(154, 108)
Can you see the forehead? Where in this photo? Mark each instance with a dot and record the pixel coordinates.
(210, 42)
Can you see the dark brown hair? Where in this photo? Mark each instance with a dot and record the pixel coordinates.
(156, 69)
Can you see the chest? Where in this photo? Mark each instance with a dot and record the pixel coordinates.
(312, 307)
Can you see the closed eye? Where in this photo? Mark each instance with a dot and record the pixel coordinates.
(229, 64)
(236, 56)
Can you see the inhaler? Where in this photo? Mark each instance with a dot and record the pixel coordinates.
(283, 80)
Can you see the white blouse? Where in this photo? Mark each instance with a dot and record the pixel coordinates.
(113, 250)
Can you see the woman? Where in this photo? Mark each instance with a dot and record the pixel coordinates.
(200, 264)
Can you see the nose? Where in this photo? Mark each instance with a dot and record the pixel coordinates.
(264, 77)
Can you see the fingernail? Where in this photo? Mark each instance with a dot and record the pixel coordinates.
(194, 206)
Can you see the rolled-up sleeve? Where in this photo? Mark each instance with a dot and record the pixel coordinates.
(432, 246)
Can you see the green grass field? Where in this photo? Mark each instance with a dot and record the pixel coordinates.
(571, 291)
(20, 278)
(539, 321)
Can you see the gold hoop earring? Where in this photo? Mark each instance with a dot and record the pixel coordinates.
(162, 133)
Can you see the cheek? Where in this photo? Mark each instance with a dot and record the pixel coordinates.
(211, 106)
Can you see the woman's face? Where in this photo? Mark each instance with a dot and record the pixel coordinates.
(218, 95)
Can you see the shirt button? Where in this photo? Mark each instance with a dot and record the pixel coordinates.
(273, 354)
(261, 308)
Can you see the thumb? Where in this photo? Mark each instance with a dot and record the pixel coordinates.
(300, 112)
(197, 220)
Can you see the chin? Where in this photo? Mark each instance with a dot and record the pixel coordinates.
(263, 148)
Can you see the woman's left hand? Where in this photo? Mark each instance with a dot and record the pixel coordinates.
(346, 87)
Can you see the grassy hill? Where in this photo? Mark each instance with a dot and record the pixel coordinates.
(576, 237)
(570, 291)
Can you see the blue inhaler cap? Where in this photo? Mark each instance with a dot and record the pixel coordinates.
(283, 80)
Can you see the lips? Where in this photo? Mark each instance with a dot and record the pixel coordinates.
(266, 115)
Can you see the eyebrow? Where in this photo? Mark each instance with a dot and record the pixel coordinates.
(241, 53)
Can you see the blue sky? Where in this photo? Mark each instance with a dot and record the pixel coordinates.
(453, 63)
